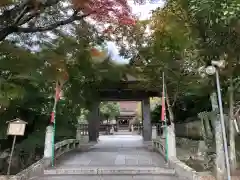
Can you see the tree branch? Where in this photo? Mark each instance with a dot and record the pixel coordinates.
(176, 94)
(12, 18)
(26, 19)
(6, 31)
(52, 26)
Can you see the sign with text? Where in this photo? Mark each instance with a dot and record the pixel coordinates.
(16, 129)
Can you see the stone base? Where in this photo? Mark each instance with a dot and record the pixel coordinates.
(84, 139)
(3, 177)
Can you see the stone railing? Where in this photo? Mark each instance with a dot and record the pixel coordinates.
(37, 168)
(181, 169)
(159, 146)
(65, 146)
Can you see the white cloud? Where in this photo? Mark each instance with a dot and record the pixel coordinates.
(144, 11)
(114, 53)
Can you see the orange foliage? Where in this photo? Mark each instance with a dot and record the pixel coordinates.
(111, 11)
(60, 69)
(95, 52)
(78, 4)
(127, 21)
(65, 76)
(62, 76)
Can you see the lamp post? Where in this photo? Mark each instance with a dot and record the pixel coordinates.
(210, 70)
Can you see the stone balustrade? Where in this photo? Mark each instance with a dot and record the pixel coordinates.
(159, 146)
(65, 146)
(37, 168)
(181, 169)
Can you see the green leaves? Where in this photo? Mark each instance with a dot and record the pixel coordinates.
(109, 109)
(215, 11)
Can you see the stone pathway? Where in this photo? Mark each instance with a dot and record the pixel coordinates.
(115, 157)
(126, 150)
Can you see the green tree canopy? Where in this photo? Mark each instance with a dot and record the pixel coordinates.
(109, 110)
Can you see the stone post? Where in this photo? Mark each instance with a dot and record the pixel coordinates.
(171, 142)
(78, 133)
(220, 164)
(81, 134)
(98, 124)
(201, 150)
(147, 127)
(93, 125)
(154, 132)
(48, 143)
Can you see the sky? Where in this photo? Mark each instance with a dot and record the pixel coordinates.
(143, 12)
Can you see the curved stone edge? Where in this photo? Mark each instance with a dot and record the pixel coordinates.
(37, 169)
(182, 170)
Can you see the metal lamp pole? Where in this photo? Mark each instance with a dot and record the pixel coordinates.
(223, 126)
(211, 70)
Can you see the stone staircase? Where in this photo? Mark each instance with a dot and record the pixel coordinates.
(108, 172)
(119, 170)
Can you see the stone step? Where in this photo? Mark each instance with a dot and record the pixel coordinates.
(108, 177)
(133, 170)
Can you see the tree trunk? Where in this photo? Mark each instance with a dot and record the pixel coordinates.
(232, 153)
(108, 130)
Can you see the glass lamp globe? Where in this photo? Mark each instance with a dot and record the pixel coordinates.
(210, 70)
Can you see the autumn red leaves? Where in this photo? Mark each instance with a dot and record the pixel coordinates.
(117, 11)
